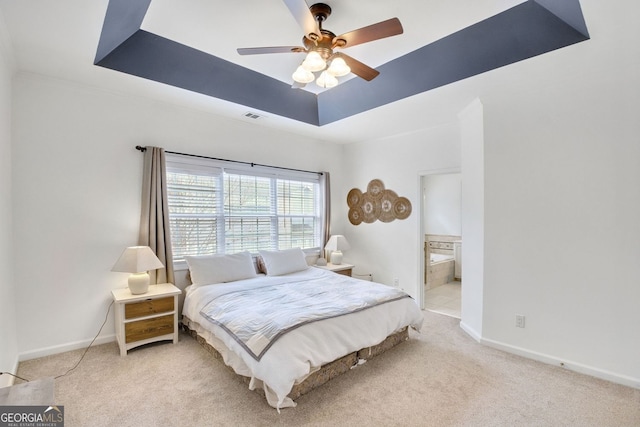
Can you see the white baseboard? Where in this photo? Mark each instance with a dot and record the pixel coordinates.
(572, 366)
(48, 351)
(472, 332)
(8, 380)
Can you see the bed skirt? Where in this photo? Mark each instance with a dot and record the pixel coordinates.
(326, 372)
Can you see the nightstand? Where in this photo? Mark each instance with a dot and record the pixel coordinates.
(146, 318)
(344, 269)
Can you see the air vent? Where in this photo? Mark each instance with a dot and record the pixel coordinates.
(251, 115)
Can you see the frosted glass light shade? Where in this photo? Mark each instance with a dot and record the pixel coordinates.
(137, 260)
(314, 62)
(338, 68)
(303, 76)
(326, 80)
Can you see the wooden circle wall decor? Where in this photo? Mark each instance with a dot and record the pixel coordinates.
(371, 208)
(386, 204)
(354, 198)
(377, 203)
(356, 215)
(375, 189)
(402, 208)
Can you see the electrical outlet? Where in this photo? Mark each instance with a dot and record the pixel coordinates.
(396, 282)
(519, 321)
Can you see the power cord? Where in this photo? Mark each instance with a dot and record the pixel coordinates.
(90, 344)
(15, 376)
(81, 357)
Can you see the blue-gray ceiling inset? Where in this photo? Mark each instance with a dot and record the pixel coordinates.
(532, 28)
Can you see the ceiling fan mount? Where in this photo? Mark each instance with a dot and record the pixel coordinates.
(327, 40)
(320, 11)
(317, 39)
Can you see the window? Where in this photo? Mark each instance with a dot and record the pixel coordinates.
(225, 207)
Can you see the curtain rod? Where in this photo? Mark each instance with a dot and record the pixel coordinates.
(143, 149)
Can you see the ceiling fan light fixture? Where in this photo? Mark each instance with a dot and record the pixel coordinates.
(326, 80)
(338, 67)
(319, 44)
(302, 76)
(314, 62)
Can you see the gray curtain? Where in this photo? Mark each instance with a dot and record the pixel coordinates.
(325, 186)
(154, 216)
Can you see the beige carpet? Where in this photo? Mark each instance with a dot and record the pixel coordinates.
(440, 377)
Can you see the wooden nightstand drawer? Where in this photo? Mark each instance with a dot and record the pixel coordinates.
(145, 318)
(148, 307)
(148, 328)
(346, 272)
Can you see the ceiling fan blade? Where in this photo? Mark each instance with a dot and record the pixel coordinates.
(358, 68)
(303, 16)
(273, 49)
(388, 28)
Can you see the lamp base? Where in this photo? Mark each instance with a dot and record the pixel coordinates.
(336, 257)
(139, 283)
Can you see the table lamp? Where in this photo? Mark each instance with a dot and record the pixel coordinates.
(336, 244)
(137, 260)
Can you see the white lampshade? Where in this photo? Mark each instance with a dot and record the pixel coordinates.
(336, 244)
(338, 67)
(303, 76)
(314, 62)
(326, 80)
(137, 260)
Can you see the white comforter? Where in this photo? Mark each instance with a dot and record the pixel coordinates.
(303, 350)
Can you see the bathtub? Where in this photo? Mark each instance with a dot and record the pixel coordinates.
(440, 258)
(440, 270)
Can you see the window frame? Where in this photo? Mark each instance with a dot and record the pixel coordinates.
(218, 168)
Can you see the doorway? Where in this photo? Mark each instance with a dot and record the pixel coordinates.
(442, 242)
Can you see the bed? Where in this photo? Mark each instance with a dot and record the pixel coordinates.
(288, 327)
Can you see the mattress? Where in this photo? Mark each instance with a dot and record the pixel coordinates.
(303, 349)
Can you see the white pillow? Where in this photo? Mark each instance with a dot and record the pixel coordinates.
(207, 269)
(287, 261)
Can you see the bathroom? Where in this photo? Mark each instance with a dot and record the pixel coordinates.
(442, 243)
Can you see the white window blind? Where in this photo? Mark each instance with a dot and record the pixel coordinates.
(216, 207)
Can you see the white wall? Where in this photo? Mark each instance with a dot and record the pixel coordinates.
(471, 123)
(389, 250)
(8, 337)
(562, 205)
(556, 218)
(77, 180)
(442, 209)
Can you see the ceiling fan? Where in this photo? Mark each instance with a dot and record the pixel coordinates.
(320, 44)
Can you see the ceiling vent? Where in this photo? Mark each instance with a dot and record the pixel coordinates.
(251, 115)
